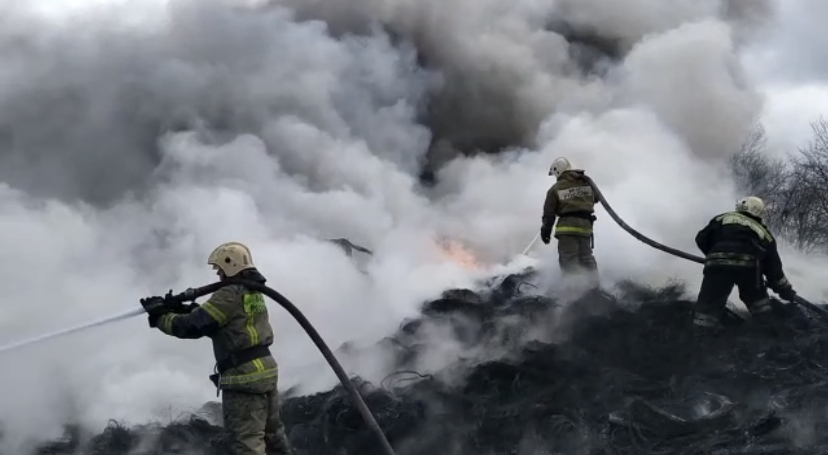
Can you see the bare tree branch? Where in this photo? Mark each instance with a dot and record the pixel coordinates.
(796, 190)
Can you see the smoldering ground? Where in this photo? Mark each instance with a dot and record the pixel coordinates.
(136, 137)
(630, 381)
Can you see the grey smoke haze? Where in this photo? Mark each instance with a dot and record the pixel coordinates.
(508, 65)
(84, 105)
(135, 137)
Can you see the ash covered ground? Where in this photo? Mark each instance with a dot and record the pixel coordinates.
(607, 374)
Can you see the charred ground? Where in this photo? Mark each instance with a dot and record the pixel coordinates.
(602, 375)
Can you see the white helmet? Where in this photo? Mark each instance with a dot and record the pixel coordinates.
(231, 258)
(559, 166)
(752, 205)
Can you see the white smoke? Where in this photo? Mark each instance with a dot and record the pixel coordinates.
(135, 137)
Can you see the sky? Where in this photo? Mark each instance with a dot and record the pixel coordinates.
(788, 65)
(137, 136)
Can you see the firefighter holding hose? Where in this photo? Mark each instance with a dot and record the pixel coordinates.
(572, 201)
(739, 250)
(237, 321)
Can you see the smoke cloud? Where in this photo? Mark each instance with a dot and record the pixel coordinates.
(137, 136)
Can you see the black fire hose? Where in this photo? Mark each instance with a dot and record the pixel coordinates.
(799, 300)
(192, 294)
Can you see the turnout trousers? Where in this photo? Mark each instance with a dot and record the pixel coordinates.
(252, 419)
(716, 286)
(575, 253)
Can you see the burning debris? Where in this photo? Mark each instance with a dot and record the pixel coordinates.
(631, 380)
(454, 251)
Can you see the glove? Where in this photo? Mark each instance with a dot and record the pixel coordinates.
(155, 307)
(787, 293)
(546, 234)
(187, 309)
(174, 305)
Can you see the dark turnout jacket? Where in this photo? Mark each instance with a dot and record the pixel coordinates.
(741, 240)
(572, 201)
(235, 319)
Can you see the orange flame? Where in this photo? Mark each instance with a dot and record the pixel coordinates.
(457, 253)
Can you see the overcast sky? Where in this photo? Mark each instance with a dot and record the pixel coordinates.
(791, 66)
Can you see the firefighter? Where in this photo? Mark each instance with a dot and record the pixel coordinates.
(571, 200)
(739, 250)
(236, 320)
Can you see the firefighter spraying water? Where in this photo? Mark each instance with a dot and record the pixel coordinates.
(236, 319)
(571, 200)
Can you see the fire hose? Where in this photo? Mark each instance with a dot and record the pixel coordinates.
(798, 300)
(192, 294)
(176, 301)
